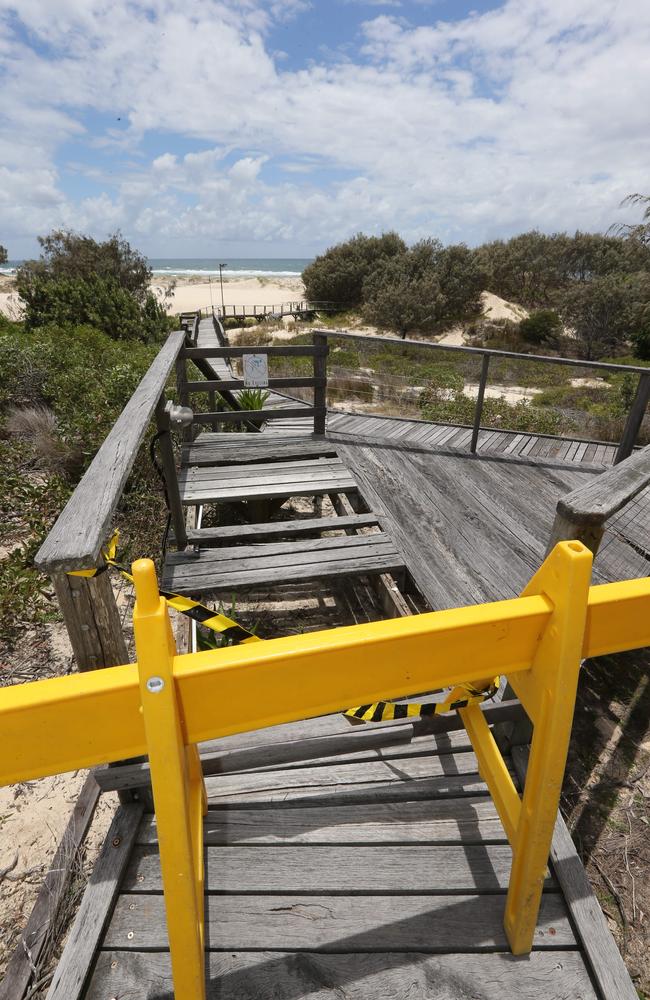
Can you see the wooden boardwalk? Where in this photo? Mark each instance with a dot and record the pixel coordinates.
(368, 874)
(356, 872)
(357, 862)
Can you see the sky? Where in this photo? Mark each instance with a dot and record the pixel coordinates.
(280, 127)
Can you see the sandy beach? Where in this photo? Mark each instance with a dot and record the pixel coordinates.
(195, 293)
(198, 294)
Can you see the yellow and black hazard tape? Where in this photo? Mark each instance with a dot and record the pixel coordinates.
(201, 614)
(462, 696)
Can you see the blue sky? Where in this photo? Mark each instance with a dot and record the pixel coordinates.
(279, 127)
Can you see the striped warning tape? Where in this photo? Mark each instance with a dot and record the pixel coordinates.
(211, 619)
(461, 696)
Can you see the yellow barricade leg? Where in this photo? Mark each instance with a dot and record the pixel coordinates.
(548, 693)
(177, 787)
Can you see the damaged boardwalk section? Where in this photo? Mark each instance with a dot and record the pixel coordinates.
(359, 861)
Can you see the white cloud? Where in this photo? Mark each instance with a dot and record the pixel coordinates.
(533, 114)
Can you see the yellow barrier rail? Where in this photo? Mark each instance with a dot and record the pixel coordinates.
(165, 704)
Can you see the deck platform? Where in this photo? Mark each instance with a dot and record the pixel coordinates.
(363, 872)
(369, 874)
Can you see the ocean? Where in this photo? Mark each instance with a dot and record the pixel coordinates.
(242, 267)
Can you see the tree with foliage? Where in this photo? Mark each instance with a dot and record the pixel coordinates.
(461, 278)
(404, 293)
(338, 275)
(78, 280)
(3, 255)
(599, 312)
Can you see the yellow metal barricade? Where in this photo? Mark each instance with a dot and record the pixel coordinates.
(165, 704)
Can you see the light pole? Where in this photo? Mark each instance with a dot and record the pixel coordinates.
(223, 308)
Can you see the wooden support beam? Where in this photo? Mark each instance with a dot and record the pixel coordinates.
(320, 387)
(634, 419)
(478, 409)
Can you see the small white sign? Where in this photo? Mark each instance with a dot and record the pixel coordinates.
(256, 370)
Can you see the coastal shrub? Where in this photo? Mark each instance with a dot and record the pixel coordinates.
(337, 276)
(404, 293)
(454, 407)
(542, 327)
(80, 281)
(4, 256)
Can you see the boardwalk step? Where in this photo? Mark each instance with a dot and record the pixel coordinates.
(210, 449)
(307, 477)
(228, 568)
(232, 533)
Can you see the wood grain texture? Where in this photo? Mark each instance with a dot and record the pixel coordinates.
(82, 528)
(212, 449)
(381, 869)
(600, 498)
(55, 885)
(444, 821)
(254, 416)
(239, 352)
(605, 959)
(343, 786)
(435, 924)
(96, 905)
(278, 529)
(413, 975)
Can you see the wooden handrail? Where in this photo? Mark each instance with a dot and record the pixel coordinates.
(584, 513)
(635, 413)
(492, 352)
(76, 539)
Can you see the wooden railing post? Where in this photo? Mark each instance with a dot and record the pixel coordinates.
(634, 419)
(478, 409)
(92, 619)
(171, 477)
(320, 389)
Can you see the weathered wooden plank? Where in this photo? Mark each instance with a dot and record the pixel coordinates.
(606, 963)
(201, 494)
(267, 551)
(76, 539)
(216, 385)
(412, 780)
(333, 923)
(359, 744)
(543, 975)
(381, 561)
(384, 869)
(96, 905)
(449, 821)
(55, 885)
(602, 496)
(253, 416)
(278, 529)
(261, 471)
(363, 552)
(238, 352)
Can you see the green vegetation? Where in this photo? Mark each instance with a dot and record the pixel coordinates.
(3, 255)
(61, 390)
(542, 328)
(338, 274)
(80, 281)
(589, 293)
(252, 399)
